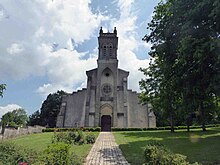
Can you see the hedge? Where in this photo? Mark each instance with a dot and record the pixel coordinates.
(98, 129)
(162, 128)
(89, 129)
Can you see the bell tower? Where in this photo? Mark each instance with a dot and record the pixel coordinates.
(108, 45)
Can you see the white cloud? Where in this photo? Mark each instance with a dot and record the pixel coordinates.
(77, 20)
(15, 48)
(43, 23)
(3, 13)
(65, 69)
(41, 31)
(128, 43)
(52, 88)
(8, 108)
(125, 6)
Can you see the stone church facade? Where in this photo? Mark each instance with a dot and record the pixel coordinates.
(106, 102)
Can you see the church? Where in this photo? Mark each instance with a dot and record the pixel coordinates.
(106, 102)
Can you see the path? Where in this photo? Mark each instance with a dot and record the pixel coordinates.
(105, 151)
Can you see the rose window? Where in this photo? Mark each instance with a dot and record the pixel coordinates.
(106, 89)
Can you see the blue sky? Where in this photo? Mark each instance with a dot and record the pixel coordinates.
(47, 45)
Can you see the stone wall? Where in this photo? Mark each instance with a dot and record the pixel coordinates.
(75, 109)
(12, 132)
(140, 115)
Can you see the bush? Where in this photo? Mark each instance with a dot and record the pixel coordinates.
(90, 138)
(57, 154)
(77, 137)
(157, 154)
(71, 137)
(14, 154)
(10, 153)
(60, 137)
(80, 138)
(178, 159)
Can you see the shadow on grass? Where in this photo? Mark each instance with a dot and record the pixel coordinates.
(167, 134)
(203, 147)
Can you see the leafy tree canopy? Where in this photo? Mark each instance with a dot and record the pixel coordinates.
(16, 118)
(50, 109)
(183, 77)
(35, 119)
(2, 88)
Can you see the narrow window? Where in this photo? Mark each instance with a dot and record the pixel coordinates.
(110, 49)
(104, 50)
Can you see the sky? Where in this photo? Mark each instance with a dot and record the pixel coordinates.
(48, 45)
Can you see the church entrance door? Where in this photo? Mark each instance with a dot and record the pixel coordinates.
(106, 123)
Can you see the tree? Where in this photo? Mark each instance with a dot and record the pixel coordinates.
(161, 80)
(35, 119)
(2, 88)
(16, 118)
(51, 108)
(185, 70)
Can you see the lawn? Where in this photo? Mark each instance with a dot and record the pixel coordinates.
(203, 147)
(39, 142)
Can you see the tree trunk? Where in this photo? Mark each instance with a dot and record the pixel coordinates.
(202, 116)
(188, 128)
(203, 127)
(189, 122)
(171, 123)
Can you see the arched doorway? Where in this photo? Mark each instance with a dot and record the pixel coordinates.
(106, 123)
(106, 117)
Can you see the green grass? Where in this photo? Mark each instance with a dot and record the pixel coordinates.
(39, 142)
(203, 147)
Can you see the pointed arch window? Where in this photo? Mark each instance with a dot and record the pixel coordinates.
(104, 49)
(110, 49)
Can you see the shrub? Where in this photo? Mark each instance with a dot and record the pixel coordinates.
(90, 138)
(157, 154)
(80, 138)
(178, 159)
(60, 137)
(71, 137)
(10, 153)
(77, 137)
(57, 154)
(14, 154)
